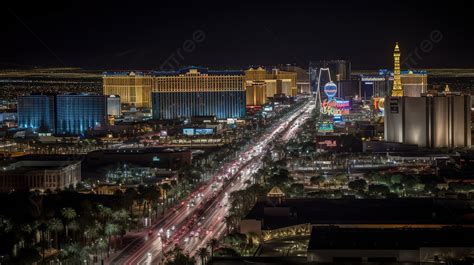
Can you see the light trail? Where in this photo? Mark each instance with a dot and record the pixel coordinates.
(191, 228)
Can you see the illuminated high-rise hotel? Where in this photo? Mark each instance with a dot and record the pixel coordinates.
(261, 85)
(62, 114)
(134, 88)
(37, 112)
(77, 113)
(193, 91)
(397, 90)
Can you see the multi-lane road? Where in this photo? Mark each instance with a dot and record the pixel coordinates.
(200, 217)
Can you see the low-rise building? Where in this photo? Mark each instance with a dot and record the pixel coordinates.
(288, 217)
(156, 157)
(355, 245)
(39, 175)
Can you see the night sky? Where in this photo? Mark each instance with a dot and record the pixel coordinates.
(236, 34)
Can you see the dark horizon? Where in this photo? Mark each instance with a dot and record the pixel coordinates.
(146, 36)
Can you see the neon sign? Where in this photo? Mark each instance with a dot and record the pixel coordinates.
(330, 89)
(326, 127)
(335, 107)
(379, 106)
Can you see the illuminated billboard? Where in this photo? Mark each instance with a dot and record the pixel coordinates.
(326, 127)
(335, 106)
(338, 119)
(199, 131)
(379, 106)
(330, 89)
(268, 108)
(188, 131)
(206, 131)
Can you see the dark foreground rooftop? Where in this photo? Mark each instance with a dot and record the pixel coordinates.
(362, 211)
(332, 237)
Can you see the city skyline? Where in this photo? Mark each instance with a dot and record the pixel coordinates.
(208, 133)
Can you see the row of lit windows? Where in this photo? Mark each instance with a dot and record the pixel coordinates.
(190, 84)
(127, 81)
(175, 83)
(129, 94)
(32, 180)
(221, 104)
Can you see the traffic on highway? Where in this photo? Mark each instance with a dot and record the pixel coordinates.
(200, 217)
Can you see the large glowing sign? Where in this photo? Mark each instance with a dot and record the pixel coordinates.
(335, 107)
(379, 106)
(330, 89)
(326, 127)
(206, 131)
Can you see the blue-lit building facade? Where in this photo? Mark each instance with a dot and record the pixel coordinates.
(62, 114)
(77, 113)
(193, 92)
(37, 112)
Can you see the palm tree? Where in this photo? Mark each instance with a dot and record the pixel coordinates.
(68, 214)
(130, 196)
(110, 230)
(93, 231)
(166, 188)
(43, 228)
(55, 225)
(73, 226)
(228, 223)
(101, 245)
(104, 213)
(203, 254)
(151, 195)
(120, 217)
(213, 244)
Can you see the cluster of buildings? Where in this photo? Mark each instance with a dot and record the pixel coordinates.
(65, 114)
(427, 119)
(196, 91)
(365, 86)
(185, 93)
(411, 114)
(228, 94)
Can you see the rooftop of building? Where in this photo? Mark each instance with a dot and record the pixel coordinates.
(24, 166)
(148, 150)
(61, 94)
(332, 237)
(363, 211)
(182, 71)
(382, 74)
(125, 73)
(403, 72)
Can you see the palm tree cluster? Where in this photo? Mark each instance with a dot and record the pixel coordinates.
(178, 257)
(67, 234)
(242, 244)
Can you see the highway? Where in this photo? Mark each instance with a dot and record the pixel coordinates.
(200, 217)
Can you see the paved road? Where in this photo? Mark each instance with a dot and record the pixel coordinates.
(200, 217)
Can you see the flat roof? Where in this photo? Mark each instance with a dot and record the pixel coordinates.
(363, 211)
(147, 150)
(201, 70)
(350, 238)
(25, 166)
